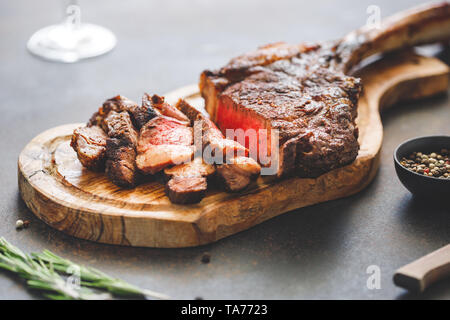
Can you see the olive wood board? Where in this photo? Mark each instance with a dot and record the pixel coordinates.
(87, 205)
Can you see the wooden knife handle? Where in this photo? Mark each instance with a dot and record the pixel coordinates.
(420, 274)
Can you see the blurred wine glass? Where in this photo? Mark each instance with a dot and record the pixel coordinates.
(71, 40)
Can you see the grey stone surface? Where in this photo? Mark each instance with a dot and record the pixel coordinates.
(317, 252)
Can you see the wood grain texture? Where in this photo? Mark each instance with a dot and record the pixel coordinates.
(85, 204)
(420, 274)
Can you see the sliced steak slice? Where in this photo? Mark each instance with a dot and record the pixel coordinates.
(120, 163)
(186, 190)
(139, 114)
(238, 173)
(238, 170)
(164, 141)
(194, 168)
(164, 108)
(157, 157)
(121, 149)
(120, 126)
(165, 130)
(214, 139)
(211, 135)
(191, 113)
(90, 146)
(178, 187)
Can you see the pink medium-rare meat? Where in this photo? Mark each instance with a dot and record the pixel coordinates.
(116, 122)
(305, 91)
(237, 170)
(211, 135)
(214, 138)
(157, 157)
(165, 130)
(164, 141)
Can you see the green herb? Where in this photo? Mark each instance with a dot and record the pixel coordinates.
(42, 272)
(95, 278)
(41, 276)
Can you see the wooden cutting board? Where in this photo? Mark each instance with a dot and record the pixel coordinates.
(85, 204)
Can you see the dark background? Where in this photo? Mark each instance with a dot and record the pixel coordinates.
(312, 253)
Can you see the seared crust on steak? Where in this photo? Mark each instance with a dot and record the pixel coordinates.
(139, 114)
(303, 90)
(191, 113)
(312, 106)
(164, 108)
(119, 125)
(186, 190)
(121, 149)
(90, 146)
(120, 163)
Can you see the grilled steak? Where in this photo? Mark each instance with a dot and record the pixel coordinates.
(157, 157)
(312, 106)
(238, 173)
(121, 149)
(164, 141)
(139, 114)
(120, 163)
(186, 190)
(211, 135)
(238, 170)
(119, 126)
(164, 108)
(194, 168)
(187, 182)
(90, 145)
(304, 92)
(165, 130)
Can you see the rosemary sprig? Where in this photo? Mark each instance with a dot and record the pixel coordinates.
(42, 276)
(92, 277)
(42, 272)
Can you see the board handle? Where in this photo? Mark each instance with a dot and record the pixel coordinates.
(420, 274)
(424, 24)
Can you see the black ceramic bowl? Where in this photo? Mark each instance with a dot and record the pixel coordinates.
(419, 184)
